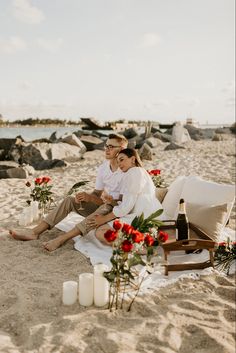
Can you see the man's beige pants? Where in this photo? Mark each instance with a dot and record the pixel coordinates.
(69, 205)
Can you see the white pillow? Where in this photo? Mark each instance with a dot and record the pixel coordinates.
(171, 200)
(198, 191)
(210, 219)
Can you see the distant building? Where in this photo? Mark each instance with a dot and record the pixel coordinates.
(190, 121)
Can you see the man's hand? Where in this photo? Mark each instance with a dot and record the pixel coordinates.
(82, 196)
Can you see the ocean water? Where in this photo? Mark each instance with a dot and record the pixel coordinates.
(33, 133)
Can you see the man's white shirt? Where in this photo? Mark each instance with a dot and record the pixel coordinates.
(108, 180)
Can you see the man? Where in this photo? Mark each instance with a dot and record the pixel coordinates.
(108, 180)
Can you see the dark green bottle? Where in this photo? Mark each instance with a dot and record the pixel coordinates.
(182, 225)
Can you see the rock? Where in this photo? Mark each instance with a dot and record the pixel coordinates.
(8, 164)
(173, 146)
(145, 152)
(5, 145)
(162, 136)
(12, 172)
(2, 155)
(99, 146)
(33, 154)
(29, 168)
(220, 137)
(53, 137)
(73, 140)
(49, 164)
(132, 143)
(90, 141)
(223, 130)
(129, 133)
(153, 142)
(65, 152)
(180, 134)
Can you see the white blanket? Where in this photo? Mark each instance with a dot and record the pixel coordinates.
(99, 253)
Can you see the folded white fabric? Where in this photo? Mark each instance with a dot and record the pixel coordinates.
(90, 247)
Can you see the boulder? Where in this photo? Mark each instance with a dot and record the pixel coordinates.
(163, 136)
(153, 142)
(145, 152)
(173, 146)
(73, 140)
(220, 137)
(49, 164)
(5, 145)
(65, 152)
(33, 154)
(12, 170)
(90, 141)
(180, 134)
(129, 133)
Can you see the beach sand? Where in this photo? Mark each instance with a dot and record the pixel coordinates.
(189, 316)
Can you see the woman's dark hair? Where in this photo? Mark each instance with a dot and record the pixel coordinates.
(131, 152)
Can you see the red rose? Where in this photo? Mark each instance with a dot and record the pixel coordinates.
(117, 224)
(46, 180)
(110, 235)
(149, 240)
(155, 172)
(38, 181)
(127, 228)
(137, 237)
(126, 246)
(163, 236)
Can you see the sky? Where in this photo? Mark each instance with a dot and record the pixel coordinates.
(160, 60)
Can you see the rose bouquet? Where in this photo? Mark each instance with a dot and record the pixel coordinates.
(157, 178)
(225, 255)
(132, 245)
(41, 192)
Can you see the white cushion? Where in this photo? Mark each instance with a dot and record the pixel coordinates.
(210, 219)
(198, 191)
(171, 200)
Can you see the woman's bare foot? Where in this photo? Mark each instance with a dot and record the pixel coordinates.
(23, 234)
(53, 244)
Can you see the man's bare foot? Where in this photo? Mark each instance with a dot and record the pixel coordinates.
(53, 244)
(23, 234)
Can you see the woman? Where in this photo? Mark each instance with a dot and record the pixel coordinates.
(138, 194)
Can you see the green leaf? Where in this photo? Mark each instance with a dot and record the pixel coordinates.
(154, 215)
(77, 186)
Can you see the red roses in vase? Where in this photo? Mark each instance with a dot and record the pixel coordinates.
(131, 247)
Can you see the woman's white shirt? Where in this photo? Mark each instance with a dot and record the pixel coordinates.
(138, 195)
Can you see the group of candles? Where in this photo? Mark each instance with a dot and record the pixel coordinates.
(29, 214)
(93, 288)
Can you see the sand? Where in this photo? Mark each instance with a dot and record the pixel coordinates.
(189, 316)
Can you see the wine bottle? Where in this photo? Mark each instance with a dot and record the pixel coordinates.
(182, 225)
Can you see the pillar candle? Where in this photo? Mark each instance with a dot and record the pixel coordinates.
(28, 215)
(35, 210)
(70, 292)
(22, 220)
(101, 285)
(86, 289)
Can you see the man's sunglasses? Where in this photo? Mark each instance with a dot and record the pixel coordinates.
(110, 147)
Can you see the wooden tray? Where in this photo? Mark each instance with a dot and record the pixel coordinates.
(198, 240)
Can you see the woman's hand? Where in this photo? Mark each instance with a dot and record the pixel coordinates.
(97, 220)
(82, 196)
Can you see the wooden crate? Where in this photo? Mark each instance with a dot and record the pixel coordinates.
(198, 240)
